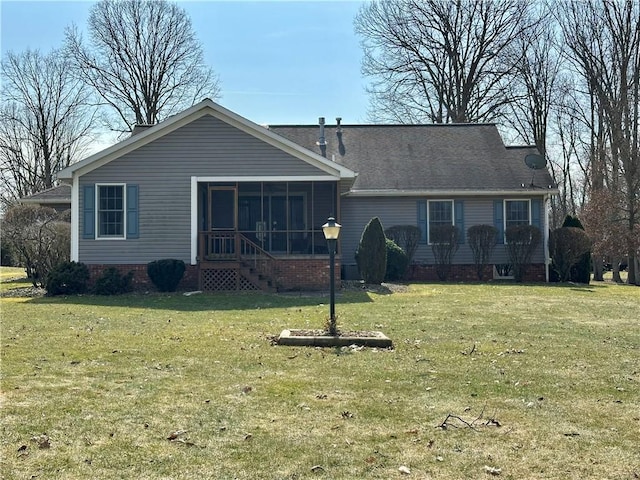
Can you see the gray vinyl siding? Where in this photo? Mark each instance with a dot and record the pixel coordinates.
(357, 211)
(162, 170)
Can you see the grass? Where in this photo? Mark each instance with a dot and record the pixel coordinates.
(13, 277)
(544, 381)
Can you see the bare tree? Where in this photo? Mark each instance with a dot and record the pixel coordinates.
(534, 86)
(603, 42)
(439, 61)
(143, 60)
(45, 121)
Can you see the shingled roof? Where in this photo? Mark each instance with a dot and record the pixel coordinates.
(59, 194)
(423, 158)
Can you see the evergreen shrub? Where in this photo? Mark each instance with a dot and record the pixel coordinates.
(166, 273)
(581, 270)
(371, 254)
(67, 278)
(112, 282)
(397, 261)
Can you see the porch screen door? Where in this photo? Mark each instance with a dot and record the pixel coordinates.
(222, 221)
(222, 208)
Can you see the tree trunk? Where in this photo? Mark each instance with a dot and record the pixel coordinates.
(598, 271)
(615, 269)
(632, 271)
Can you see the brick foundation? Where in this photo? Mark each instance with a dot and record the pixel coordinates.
(313, 274)
(141, 281)
(467, 273)
(291, 274)
(305, 273)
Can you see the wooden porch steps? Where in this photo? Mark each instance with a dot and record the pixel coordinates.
(229, 276)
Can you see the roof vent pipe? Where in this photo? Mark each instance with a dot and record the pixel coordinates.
(322, 142)
(338, 127)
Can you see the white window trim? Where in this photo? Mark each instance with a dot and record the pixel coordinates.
(453, 216)
(124, 212)
(504, 213)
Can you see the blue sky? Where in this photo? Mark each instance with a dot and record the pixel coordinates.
(278, 61)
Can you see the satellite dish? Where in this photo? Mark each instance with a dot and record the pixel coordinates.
(535, 161)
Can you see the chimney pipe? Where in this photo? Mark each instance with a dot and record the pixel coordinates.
(338, 127)
(322, 142)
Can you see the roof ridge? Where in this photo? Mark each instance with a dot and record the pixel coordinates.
(383, 125)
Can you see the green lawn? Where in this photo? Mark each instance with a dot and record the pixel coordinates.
(541, 381)
(12, 277)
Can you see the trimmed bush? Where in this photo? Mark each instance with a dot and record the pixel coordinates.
(371, 254)
(482, 241)
(397, 261)
(522, 241)
(112, 282)
(67, 278)
(444, 245)
(407, 237)
(166, 274)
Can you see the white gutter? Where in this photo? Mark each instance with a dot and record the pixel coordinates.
(450, 193)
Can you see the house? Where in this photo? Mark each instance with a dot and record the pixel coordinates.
(427, 175)
(58, 198)
(243, 205)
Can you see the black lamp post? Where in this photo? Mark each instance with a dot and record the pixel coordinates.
(331, 231)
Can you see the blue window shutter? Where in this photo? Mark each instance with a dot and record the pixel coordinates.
(132, 211)
(498, 220)
(422, 219)
(536, 211)
(88, 211)
(458, 205)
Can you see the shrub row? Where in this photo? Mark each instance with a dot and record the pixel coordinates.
(72, 278)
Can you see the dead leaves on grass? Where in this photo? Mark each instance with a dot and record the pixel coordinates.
(176, 437)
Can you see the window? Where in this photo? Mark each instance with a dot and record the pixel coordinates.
(111, 211)
(440, 212)
(511, 213)
(516, 212)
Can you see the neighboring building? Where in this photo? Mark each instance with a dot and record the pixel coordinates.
(58, 198)
(243, 205)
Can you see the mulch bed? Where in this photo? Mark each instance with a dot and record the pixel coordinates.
(29, 292)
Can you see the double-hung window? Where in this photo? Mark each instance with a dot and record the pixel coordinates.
(440, 213)
(111, 211)
(516, 213)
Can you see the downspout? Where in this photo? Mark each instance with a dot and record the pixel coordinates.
(547, 259)
(75, 219)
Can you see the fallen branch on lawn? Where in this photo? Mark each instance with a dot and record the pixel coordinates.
(454, 421)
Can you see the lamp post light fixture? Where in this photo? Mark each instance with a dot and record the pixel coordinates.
(331, 231)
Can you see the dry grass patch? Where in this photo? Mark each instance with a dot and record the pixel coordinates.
(543, 379)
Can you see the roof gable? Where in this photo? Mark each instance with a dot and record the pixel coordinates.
(206, 107)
